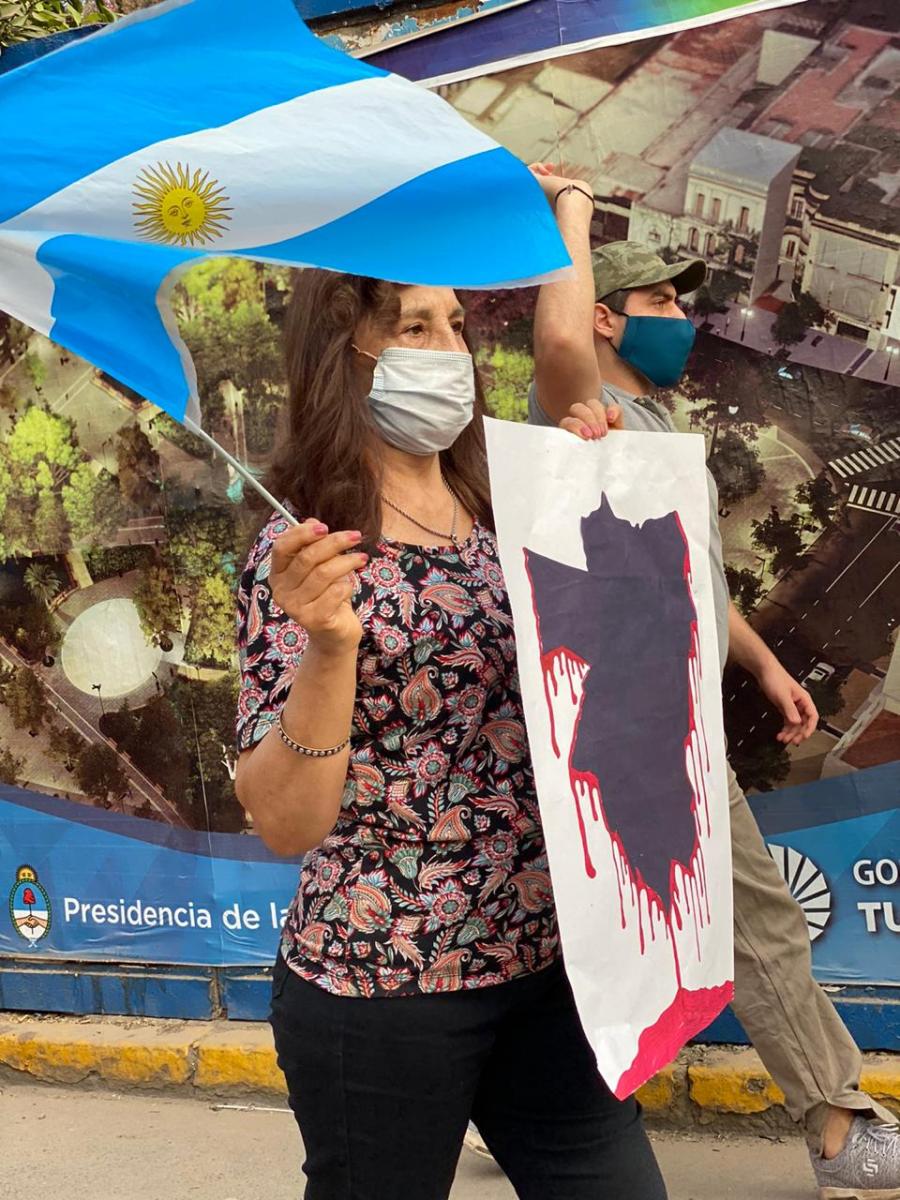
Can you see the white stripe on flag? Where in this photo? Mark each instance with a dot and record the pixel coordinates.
(26, 287)
(310, 147)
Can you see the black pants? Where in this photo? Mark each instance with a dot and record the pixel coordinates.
(383, 1090)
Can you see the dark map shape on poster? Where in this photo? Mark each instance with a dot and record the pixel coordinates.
(628, 627)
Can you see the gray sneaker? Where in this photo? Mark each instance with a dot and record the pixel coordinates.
(868, 1167)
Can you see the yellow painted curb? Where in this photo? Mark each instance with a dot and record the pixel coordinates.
(732, 1082)
(70, 1053)
(880, 1078)
(735, 1082)
(222, 1057)
(238, 1060)
(658, 1096)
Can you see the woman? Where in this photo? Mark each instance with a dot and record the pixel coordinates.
(419, 981)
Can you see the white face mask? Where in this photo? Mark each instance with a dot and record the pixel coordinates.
(421, 400)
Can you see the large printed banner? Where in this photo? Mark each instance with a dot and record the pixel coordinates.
(612, 598)
(83, 884)
(98, 886)
(838, 846)
(767, 145)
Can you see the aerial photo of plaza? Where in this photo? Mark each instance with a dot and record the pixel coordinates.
(766, 145)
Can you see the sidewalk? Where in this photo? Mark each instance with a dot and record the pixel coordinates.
(723, 1086)
(86, 1145)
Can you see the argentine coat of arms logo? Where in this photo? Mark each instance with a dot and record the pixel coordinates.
(29, 906)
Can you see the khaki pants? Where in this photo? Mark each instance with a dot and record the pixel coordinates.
(793, 1025)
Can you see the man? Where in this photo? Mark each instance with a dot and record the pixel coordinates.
(615, 330)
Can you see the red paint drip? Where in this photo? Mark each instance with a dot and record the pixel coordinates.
(557, 666)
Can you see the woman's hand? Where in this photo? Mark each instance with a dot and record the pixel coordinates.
(592, 420)
(312, 581)
(552, 183)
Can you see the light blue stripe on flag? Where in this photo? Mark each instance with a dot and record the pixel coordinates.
(95, 310)
(202, 128)
(207, 61)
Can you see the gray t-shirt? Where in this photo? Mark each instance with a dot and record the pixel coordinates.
(645, 414)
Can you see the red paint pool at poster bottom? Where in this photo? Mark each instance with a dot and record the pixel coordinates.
(688, 1014)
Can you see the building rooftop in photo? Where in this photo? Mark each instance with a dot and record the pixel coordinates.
(866, 206)
(734, 155)
(828, 97)
(877, 744)
(874, 738)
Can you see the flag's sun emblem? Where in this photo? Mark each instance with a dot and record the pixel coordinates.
(178, 206)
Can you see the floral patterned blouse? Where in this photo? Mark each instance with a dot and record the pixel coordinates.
(435, 875)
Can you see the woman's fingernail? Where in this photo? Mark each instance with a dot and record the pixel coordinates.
(320, 528)
(354, 535)
(363, 559)
(585, 432)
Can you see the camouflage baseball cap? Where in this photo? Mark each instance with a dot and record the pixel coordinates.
(632, 265)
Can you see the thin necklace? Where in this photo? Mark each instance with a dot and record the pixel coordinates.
(434, 532)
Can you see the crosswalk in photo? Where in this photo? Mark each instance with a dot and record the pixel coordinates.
(868, 459)
(874, 499)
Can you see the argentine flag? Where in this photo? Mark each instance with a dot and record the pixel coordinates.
(203, 128)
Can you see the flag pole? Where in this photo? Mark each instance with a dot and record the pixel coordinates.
(245, 473)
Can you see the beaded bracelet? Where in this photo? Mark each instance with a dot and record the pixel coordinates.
(307, 750)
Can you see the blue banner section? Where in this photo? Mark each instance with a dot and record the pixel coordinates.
(838, 844)
(90, 885)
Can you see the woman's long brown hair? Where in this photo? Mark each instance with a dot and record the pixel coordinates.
(326, 461)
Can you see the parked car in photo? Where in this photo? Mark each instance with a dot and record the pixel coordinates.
(854, 429)
(820, 673)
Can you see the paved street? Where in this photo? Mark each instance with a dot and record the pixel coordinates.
(843, 604)
(87, 1145)
(839, 609)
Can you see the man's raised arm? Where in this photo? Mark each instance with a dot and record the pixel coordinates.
(565, 363)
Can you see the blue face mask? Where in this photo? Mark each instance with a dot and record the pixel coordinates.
(658, 347)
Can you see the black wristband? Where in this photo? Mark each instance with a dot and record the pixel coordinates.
(572, 187)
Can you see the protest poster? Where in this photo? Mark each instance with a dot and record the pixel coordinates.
(611, 593)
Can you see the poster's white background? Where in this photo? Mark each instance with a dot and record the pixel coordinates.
(543, 481)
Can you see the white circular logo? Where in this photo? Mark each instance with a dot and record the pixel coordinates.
(807, 884)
